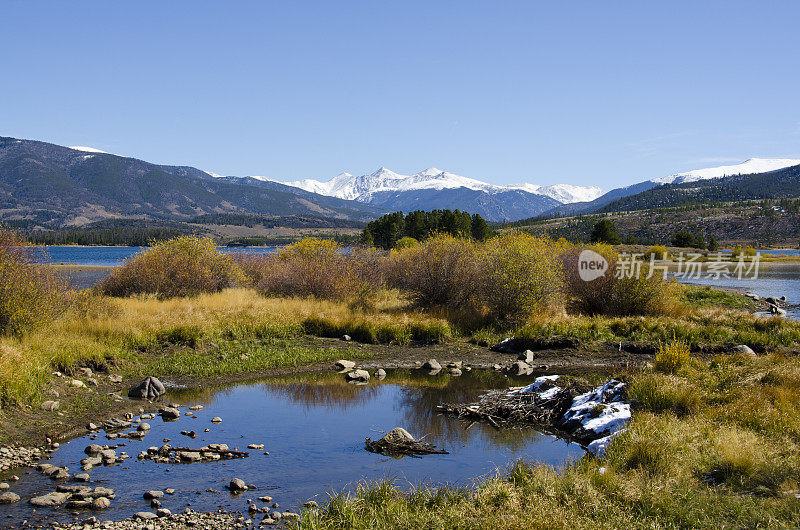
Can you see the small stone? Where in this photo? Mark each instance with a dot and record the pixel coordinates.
(92, 381)
(357, 375)
(170, 491)
(455, 372)
(50, 405)
(101, 503)
(51, 499)
(163, 512)
(216, 419)
(93, 449)
(520, 368)
(4, 486)
(169, 414)
(527, 356)
(143, 427)
(77, 383)
(83, 477)
(196, 407)
(92, 427)
(291, 515)
(150, 388)
(265, 498)
(344, 364)
(144, 516)
(256, 446)
(8, 497)
(745, 349)
(116, 379)
(87, 372)
(432, 364)
(237, 485)
(380, 373)
(153, 494)
(310, 505)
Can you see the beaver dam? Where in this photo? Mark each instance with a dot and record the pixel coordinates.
(564, 406)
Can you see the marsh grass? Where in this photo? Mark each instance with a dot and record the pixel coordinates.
(691, 457)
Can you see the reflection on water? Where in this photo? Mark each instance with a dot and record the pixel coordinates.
(114, 255)
(313, 426)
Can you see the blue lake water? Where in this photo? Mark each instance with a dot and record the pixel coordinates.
(314, 427)
(115, 255)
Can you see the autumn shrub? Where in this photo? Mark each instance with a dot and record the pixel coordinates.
(30, 293)
(657, 251)
(183, 266)
(625, 289)
(319, 268)
(520, 274)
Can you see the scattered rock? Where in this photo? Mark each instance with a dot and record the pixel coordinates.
(343, 364)
(50, 405)
(163, 512)
(92, 381)
(256, 446)
(745, 349)
(116, 379)
(520, 368)
(143, 427)
(77, 383)
(455, 372)
(55, 498)
(153, 494)
(432, 364)
(196, 407)
(8, 497)
(357, 375)
(169, 414)
(237, 485)
(150, 388)
(380, 373)
(101, 503)
(527, 356)
(87, 372)
(170, 491)
(83, 477)
(347, 338)
(310, 505)
(216, 419)
(144, 516)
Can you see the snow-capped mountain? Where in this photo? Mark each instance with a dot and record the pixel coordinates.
(365, 187)
(748, 167)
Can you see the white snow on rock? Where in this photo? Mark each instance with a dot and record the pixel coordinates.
(601, 410)
(749, 166)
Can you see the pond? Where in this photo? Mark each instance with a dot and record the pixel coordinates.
(314, 427)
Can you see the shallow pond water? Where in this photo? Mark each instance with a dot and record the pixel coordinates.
(314, 427)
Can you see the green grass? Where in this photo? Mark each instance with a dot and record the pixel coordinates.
(706, 296)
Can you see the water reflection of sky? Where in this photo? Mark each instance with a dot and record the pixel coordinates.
(314, 431)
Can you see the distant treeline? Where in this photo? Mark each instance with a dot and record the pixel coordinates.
(286, 221)
(136, 237)
(267, 241)
(420, 225)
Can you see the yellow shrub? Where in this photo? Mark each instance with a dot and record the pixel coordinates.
(671, 356)
(659, 251)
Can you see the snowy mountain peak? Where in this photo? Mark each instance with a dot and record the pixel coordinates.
(749, 166)
(86, 149)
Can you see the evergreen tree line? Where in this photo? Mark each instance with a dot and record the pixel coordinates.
(386, 231)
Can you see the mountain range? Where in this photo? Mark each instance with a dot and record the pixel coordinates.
(56, 186)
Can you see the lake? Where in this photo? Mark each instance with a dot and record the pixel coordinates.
(314, 427)
(106, 256)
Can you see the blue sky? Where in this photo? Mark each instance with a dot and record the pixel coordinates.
(601, 93)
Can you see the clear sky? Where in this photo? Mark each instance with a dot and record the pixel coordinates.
(601, 93)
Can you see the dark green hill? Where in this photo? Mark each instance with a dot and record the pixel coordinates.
(780, 184)
(70, 186)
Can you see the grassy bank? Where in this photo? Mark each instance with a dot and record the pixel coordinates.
(233, 331)
(713, 445)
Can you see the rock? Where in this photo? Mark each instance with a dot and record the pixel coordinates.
(83, 477)
(55, 498)
(380, 373)
(265, 498)
(357, 375)
(8, 497)
(216, 419)
(143, 427)
(190, 456)
(170, 491)
(87, 372)
(276, 515)
(144, 516)
(150, 388)
(291, 515)
(343, 364)
(50, 405)
(75, 489)
(527, 356)
(100, 491)
(163, 512)
(504, 346)
(196, 407)
(59, 474)
(4, 486)
(237, 485)
(310, 505)
(398, 435)
(455, 364)
(455, 372)
(497, 367)
(347, 338)
(78, 504)
(93, 449)
(77, 383)
(153, 494)
(520, 368)
(101, 503)
(155, 503)
(745, 349)
(169, 414)
(116, 379)
(92, 427)
(108, 456)
(432, 364)
(775, 310)
(92, 381)
(256, 446)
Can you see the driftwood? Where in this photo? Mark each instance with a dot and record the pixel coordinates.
(405, 447)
